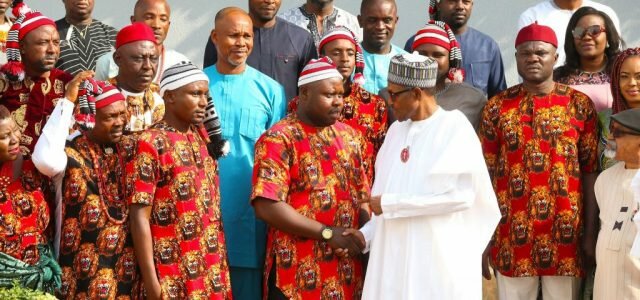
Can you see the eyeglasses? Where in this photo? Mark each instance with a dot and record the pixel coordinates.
(593, 31)
(394, 95)
(618, 133)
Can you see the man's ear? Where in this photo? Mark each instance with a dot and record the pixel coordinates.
(214, 36)
(132, 19)
(168, 97)
(360, 21)
(117, 57)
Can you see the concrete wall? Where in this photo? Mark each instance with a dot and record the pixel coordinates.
(192, 20)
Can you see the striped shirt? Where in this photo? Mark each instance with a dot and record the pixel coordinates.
(80, 47)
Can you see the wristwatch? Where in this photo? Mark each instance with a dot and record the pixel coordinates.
(327, 233)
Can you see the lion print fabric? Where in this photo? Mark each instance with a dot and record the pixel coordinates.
(318, 172)
(366, 113)
(174, 174)
(96, 250)
(536, 148)
(24, 215)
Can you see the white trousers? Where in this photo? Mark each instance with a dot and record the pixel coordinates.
(526, 288)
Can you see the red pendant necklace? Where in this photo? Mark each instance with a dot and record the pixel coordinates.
(404, 154)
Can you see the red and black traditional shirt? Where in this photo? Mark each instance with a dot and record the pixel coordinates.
(174, 174)
(318, 172)
(366, 113)
(536, 149)
(96, 250)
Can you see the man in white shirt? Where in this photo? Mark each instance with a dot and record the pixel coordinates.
(618, 270)
(556, 14)
(156, 14)
(434, 204)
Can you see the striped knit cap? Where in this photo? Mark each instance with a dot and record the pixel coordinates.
(341, 32)
(413, 70)
(27, 21)
(318, 69)
(439, 33)
(619, 103)
(433, 9)
(94, 95)
(185, 73)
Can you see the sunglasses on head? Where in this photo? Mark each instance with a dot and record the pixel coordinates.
(593, 31)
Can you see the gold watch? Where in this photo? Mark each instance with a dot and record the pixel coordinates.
(327, 233)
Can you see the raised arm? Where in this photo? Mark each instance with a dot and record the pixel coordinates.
(49, 156)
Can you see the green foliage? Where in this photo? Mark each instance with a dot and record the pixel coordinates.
(19, 293)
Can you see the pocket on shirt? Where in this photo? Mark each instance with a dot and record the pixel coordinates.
(286, 59)
(253, 122)
(478, 72)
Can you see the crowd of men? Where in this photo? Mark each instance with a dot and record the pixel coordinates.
(313, 159)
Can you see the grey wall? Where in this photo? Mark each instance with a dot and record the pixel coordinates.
(192, 20)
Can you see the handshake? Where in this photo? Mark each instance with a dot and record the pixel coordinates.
(346, 241)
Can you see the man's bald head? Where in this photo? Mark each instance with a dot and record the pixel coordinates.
(156, 14)
(233, 37)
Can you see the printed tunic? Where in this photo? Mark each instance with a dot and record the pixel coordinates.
(536, 148)
(318, 172)
(96, 249)
(366, 113)
(174, 174)
(24, 213)
(31, 102)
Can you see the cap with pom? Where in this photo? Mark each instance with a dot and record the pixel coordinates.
(440, 34)
(341, 32)
(94, 95)
(27, 21)
(318, 69)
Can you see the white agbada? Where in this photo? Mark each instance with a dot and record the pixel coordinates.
(439, 212)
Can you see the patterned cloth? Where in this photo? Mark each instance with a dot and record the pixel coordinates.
(536, 148)
(318, 172)
(81, 46)
(144, 109)
(174, 174)
(339, 17)
(96, 250)
(366, 113)
(31, 102)
(24, 211)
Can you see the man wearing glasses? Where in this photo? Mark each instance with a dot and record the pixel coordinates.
(618, 270)
(540, 144)
(557, 13)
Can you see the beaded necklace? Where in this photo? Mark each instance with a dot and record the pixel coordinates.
(107, 195)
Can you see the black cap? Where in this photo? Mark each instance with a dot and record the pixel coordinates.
(629, 118)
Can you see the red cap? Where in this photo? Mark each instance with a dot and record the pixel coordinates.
(535, 32)
(135, 32)
(110, 94)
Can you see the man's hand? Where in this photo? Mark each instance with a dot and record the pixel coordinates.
(375, 204)
(71, 91)
(348, 241)
(359, 238)
(486, 273)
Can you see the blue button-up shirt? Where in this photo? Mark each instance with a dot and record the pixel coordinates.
(248, 104)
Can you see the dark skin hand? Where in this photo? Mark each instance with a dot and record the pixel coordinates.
(590, 217)
(282, 216)
(486, 273)
(143, 246)
(375, 204)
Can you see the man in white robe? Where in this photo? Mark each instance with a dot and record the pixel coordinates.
(618, 271)
(434, 204)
